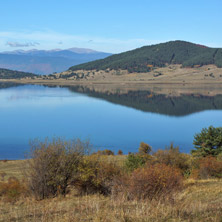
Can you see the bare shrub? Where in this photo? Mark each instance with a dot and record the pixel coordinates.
(53, 165)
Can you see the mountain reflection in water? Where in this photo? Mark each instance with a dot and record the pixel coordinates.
(148, 101)
(113, 117)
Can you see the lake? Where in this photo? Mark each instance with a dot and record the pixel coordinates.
(110, 119)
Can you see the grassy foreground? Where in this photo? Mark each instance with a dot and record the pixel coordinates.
(201, 200)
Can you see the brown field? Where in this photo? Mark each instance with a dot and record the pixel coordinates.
(169, 74)
(206, 80)
(172, 74)
(12, 168)
(201, 200)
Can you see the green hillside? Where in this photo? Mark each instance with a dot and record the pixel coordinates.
(10, 74)
(142, 59)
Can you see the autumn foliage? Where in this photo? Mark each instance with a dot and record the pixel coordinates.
(95, 176)
(208, 167)
(12, 189)
(154, 181)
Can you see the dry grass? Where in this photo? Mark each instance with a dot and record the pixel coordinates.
(208, 74)
(201, 200)
(118, 159)
(12, 168)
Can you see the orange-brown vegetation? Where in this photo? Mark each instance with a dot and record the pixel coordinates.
(154, 181)
(136, 187)
(207, 167)
(199, 200)
(12, 190)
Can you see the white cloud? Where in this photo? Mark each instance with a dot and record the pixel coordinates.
(50, 40)
(19, 44)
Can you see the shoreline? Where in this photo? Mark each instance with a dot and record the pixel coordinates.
(167, 88)
(79, 82)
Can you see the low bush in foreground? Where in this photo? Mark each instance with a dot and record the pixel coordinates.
(95, 176)
(154, 181)
(53, 165)
(149, 182)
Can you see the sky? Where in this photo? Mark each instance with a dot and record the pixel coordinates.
(107, 25)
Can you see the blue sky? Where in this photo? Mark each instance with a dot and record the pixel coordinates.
(107, 25)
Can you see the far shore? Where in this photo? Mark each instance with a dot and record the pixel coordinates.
(169, 75)
(174, 88)
(170, 80)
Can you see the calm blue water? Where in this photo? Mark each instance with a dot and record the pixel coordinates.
(28, 112)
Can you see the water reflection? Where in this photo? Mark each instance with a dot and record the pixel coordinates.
(148, 101)
(117, 117)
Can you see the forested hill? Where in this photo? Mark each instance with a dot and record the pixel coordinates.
(143, 59)
(10, 74)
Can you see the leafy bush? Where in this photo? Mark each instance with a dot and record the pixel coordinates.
(135, 161)
(95, 176)
(208, 142)
(12, 189)
(53, 165)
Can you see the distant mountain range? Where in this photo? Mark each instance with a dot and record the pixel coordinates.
(145, 58)
(47, 61)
